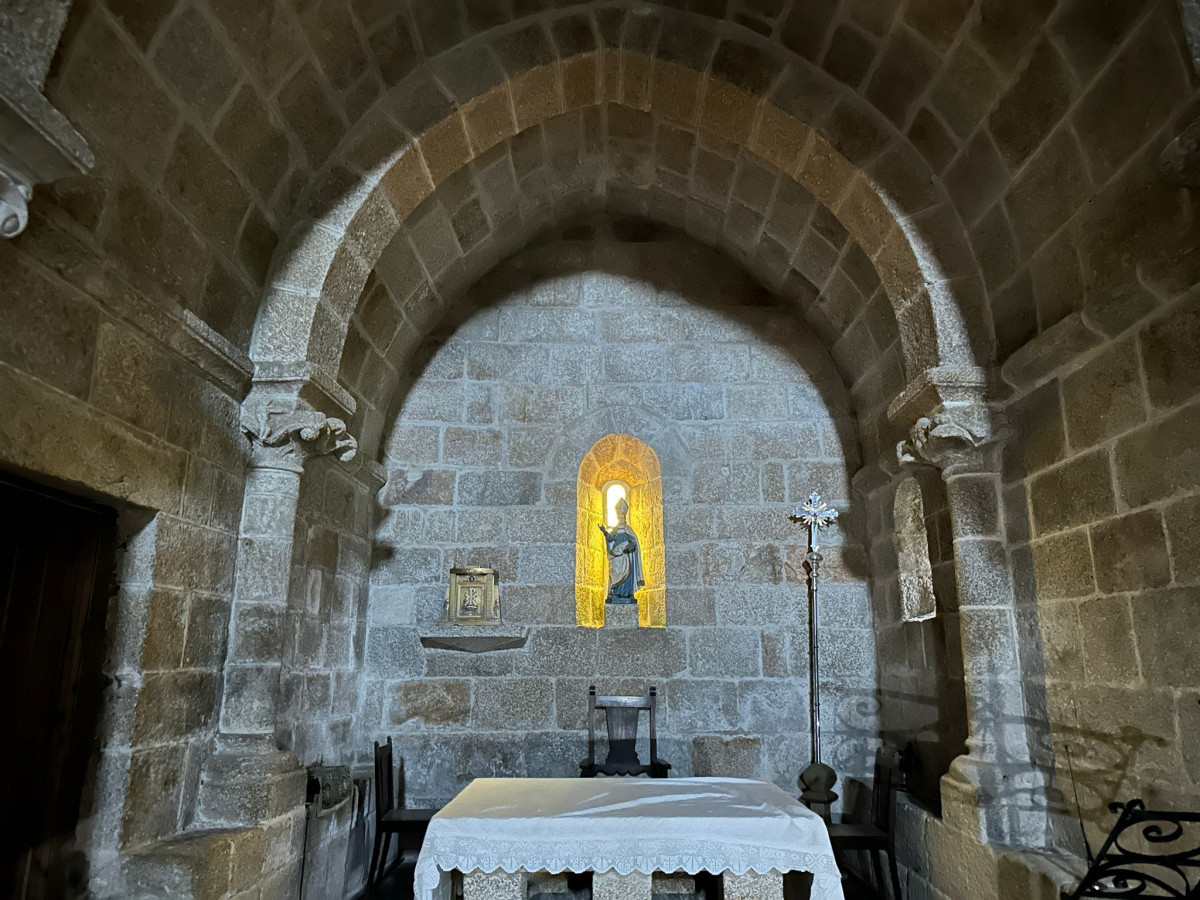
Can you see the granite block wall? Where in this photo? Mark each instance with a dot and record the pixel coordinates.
(565, 343)
(1022, 110)
(127, 306)
(93, 403)
(326, 615)
(1100, 498)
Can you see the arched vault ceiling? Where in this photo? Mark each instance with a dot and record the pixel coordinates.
(523, 188)
(618, 114)
(1031, 127)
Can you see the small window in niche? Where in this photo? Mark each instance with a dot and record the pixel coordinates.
(917, 601)
(614, 493)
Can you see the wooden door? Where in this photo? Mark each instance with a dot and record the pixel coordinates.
(56, 575)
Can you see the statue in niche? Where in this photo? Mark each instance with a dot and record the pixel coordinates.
(625, 574)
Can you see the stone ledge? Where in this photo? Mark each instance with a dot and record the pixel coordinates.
(39, 140)
(621, 615)
(1054, 348)
(225, 364)
(474, 638)
(37, 144)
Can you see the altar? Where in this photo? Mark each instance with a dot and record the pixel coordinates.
(498, 831)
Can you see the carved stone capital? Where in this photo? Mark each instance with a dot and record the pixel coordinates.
(288, 438)
(951, 440)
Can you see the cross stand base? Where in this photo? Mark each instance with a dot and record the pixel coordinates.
(816, 788)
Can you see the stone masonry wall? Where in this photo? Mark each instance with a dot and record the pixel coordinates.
(1102, 506)
(98, 406)
(327, 614)
(747, 413)
(1024, 110)
(126, 306)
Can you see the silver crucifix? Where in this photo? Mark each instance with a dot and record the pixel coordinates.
(816, 514)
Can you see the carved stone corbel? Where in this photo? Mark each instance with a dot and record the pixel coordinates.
(14, 205)
(37, 144)
(949, 440)
(288, 438)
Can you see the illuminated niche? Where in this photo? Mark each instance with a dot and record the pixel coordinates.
(617, 467)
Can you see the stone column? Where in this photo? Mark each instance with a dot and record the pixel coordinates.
(995, 787)
(248, 780)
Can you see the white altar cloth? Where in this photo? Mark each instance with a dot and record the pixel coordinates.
(625, 824)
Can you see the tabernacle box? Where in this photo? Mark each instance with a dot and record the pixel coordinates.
(473, 597)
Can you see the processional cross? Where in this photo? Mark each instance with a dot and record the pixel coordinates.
(817, 780)
(816, 514)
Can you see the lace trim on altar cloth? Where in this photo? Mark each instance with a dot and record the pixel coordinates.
(444, 854)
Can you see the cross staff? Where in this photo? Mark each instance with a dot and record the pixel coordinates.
(816, 514)
(818, 779)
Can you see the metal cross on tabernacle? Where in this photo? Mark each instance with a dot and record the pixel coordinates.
(816, 514)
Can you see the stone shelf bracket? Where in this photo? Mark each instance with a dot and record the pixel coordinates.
(37, 144)
(474, 638)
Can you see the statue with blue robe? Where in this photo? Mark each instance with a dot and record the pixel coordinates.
(625, 574)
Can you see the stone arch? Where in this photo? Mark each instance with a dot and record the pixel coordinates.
(911, 538)
(619, 457)
(898, 217)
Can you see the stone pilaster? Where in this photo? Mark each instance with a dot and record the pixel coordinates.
(248, 780)
(995, 787)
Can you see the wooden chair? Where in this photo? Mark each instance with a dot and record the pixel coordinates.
(621, 715)
(391, 817)
(878, 835)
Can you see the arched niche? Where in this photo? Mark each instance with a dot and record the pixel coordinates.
(911, 537)
(623, 459)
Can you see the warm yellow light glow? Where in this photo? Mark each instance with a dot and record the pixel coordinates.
(619, 466)
(614, 492)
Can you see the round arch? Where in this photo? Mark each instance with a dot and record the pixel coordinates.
(897, 215)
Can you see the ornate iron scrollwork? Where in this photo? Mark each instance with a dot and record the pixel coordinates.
(1148, 853)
